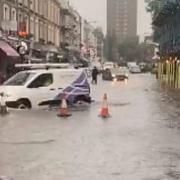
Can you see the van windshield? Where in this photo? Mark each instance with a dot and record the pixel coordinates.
(19, 79)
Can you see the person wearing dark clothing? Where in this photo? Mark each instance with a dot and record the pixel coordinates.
(94, 75)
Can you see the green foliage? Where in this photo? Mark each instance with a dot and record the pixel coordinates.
(107, 50)
(128, 50)
(131, 50)
(153, 6)
(99, 33)
(109, 44)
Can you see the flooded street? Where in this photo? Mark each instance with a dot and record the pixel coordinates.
(140, 141)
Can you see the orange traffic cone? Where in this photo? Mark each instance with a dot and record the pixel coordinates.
(104, 110)
(64, 111)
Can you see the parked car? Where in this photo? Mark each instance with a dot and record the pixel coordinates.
(135, 69)
(107, 75)
(118, 74)
(33, 88)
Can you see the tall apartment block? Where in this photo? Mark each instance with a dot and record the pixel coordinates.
(122, 18)
(121, 21)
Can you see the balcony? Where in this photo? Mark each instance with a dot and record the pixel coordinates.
(68, 27)
(65, 11)
(65, 28)
(12, 1)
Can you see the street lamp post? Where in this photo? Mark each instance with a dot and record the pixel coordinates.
(17, 17)
(31, 49)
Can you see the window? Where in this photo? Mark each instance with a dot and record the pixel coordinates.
(20, 17)
(6, 12)
(31, 25)
(43, 80)
(36, 5)
(20, 1)
(25, 3)
(19, 79)
(31, 3)
(125, 24)
(13, 15)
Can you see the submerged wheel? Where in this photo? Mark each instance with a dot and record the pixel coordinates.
(82, 98)
(24, 104)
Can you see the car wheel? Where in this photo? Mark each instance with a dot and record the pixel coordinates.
(80, 99)
(24, 104)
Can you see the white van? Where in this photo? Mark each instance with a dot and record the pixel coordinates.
(30, 88)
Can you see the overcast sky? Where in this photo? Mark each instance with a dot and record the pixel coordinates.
(95, 10)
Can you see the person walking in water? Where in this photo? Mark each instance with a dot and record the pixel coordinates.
(94, 75)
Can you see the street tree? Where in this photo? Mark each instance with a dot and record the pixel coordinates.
(108, 44)
(99, 33)
(110, 47)
(131, 50)
(153, 6)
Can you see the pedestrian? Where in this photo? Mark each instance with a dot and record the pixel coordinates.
(94, 75)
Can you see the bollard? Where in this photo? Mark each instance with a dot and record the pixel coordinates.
(3, 107)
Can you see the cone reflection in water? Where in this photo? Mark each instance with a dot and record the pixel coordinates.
(64, 111)
(105, 110)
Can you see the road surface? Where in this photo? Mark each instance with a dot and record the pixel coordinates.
(139, 142)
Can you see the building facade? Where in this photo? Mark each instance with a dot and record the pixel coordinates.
(40, 18)
(77, 34)
(49, 22)
(100, 42)
(121, 23)
(70, 31)
(8, 16)
(89, 40)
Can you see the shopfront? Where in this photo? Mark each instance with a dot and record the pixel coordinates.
(8, 58)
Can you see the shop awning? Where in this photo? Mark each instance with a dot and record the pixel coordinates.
(8, 50)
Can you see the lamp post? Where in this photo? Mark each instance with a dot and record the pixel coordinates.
(31, 49)
(17, 17)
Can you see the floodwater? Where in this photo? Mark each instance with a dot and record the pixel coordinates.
(140, 141)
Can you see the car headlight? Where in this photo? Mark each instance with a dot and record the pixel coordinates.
(113, 75)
